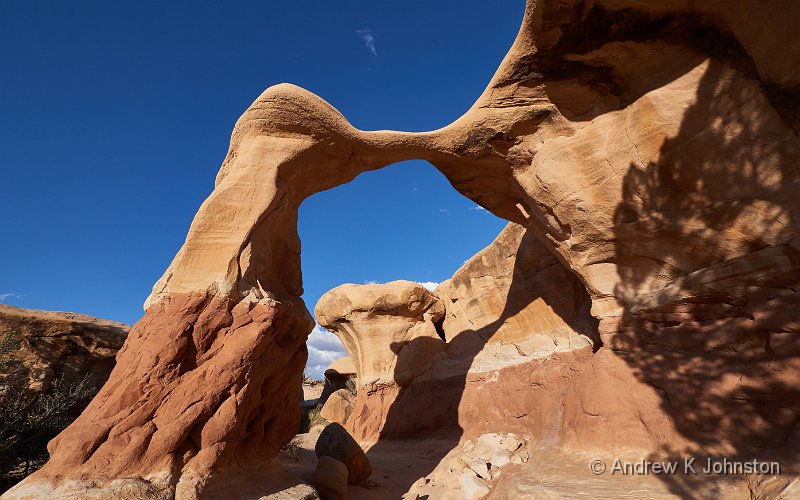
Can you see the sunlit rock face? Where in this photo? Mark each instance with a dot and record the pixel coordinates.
(650, 147)
(513, 302)
(389, 331)
(392, 333)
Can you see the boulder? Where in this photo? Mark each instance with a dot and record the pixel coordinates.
(330, 478)
(338, 407)
(340, 374)
(336, 442)
(389, 330)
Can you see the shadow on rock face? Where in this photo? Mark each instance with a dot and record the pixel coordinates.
(425, 414)
(708, 269)
(716, 212)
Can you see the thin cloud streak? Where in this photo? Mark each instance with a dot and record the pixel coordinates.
(369, 40)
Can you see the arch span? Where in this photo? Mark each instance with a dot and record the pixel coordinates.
(574, 138)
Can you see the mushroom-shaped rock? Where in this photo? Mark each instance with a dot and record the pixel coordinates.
(389, 330)
(338, 375)
(341, 367)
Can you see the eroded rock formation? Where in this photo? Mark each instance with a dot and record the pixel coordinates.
(340, 374)
(651, 147)
(516, 297)
(377, 323)
(63, 345)
(338, 407)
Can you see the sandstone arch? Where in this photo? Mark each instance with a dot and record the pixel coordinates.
(578, 117)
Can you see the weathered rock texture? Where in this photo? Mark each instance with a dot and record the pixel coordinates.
(338, 407)
(517, 299)
(651, 147)
(389, 330)
(69, 346)
(340, 374)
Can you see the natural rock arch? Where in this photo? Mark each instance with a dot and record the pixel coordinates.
(204, 390)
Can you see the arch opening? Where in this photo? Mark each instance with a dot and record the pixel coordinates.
(402, 222)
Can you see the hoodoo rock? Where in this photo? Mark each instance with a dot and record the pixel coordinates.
(340, 374)
(651, 148)
(389, 330)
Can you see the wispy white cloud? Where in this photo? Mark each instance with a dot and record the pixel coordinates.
(444, 211)
(430, 285)
(323, 347)
(479, 208)
(369, 40)
(6, 296)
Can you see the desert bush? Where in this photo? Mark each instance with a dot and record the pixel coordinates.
(311, 418)
(30, 419)
(351, 386)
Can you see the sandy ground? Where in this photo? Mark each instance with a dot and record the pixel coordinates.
(312, 390)
(395, 467)
(549, 474)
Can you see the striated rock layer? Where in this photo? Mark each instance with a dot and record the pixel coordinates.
(380, 325)
(651, 149)
(64, 345)
(515, 298)
(652, 389)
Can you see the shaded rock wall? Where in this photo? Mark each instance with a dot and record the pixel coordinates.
(64, 345)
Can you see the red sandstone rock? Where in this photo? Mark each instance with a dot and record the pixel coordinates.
(169, 410)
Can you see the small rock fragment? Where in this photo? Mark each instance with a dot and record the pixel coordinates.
(473, 487)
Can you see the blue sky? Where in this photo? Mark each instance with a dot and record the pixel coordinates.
(116, 116)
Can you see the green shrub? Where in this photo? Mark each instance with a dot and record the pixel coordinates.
(30, 419)
(311, 418)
